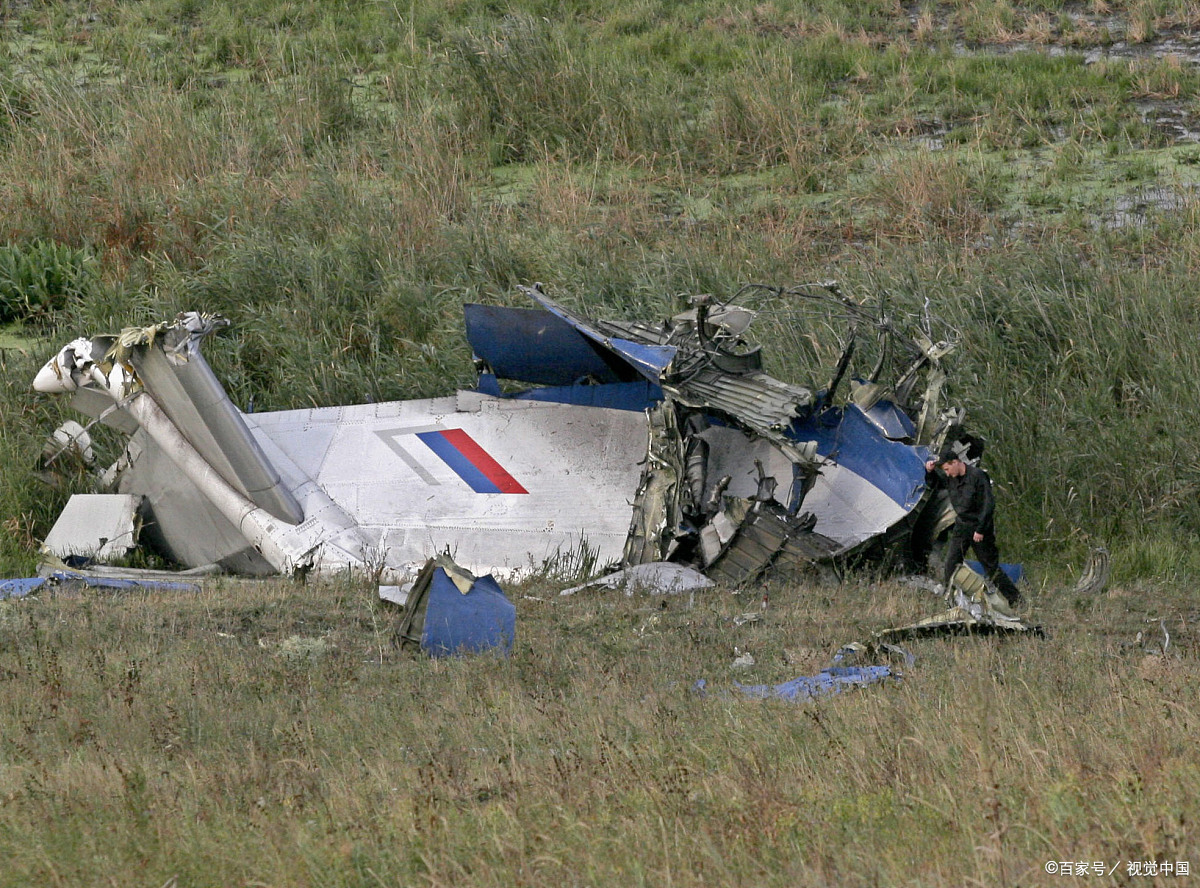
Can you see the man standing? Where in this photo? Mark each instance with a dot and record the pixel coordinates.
(970, 491)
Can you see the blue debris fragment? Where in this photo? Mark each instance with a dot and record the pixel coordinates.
(22, 586)
(455, 623)
(829, 681)
(449, 611)
(62, 576)
(825, 683)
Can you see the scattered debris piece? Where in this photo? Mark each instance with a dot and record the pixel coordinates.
(95, 525)
(300, 649)
(20, 586)
(1096, 572)
(829, 681)
(84, 567)
(958, 621)
(657, 577)
(449, 611)
(62, 579)
(68, 454)
(651, 626)
(1147, 644)
(834, 679)
(857, 653)
(743, 659)
(977, 607)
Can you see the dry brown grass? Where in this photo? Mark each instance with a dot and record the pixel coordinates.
(922, 193)
(270, 734)
(1143, 22)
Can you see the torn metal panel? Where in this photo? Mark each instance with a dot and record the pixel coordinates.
(84, 362)
(65, 579)
(745, 460)
(95, 525)
(704, 375)
(765, 535)
(976, 607)
(121, 584)
(539, 347)
(868, 483)
(167, 357)
(50, 565)
(284, 546)
(180, 519)
(858, 468)
(19, 587)
(958, 621)
(658, 577)
(892, 422)
(657, 501)
(757, 401)
(825, 683)
(190, 395)
(651, 361)
(448, 611)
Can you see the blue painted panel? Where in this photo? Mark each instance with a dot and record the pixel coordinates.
(126, 584)
(20, 587)
(23, 586)
(853, 441)
(648, 360)
(455, 623)
(536, 346)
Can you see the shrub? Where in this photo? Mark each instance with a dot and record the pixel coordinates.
(38, 279)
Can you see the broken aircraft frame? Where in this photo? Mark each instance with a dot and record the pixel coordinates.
(629, 443)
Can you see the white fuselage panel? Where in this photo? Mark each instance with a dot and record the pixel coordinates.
(504, 485)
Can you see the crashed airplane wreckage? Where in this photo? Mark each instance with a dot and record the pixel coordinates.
(631, 443)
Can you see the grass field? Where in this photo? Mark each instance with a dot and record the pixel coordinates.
(271, 734)
(338, 178)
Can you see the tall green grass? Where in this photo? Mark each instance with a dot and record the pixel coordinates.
(339, 179)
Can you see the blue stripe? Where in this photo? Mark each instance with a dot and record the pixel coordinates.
(463, 467)
(857, 444)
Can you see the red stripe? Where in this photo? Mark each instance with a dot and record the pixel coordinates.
(483, 461)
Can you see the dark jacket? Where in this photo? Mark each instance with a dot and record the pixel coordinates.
(971, 496)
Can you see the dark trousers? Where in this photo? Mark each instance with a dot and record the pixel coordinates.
(987, 553)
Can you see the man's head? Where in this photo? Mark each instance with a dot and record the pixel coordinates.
(951, 463)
